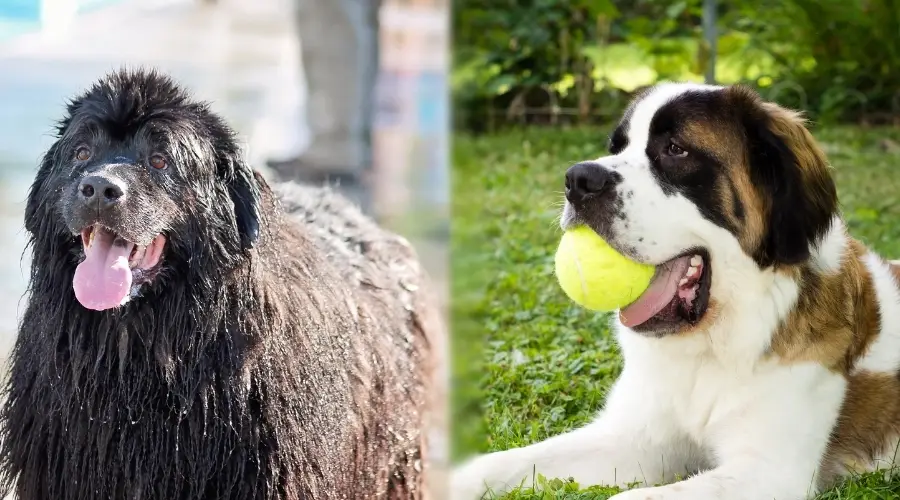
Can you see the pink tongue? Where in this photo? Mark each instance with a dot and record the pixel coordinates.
(103, 280)
(661, 291)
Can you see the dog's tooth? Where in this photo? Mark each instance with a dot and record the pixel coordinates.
(691, 272)
(91, 237)
(683, 282)
(696, 261)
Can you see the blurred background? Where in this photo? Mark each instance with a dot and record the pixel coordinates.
(346, 92)
(537, 86)
(579, 61)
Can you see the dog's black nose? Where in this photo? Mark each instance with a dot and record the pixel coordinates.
(586, 178)
(101, 190)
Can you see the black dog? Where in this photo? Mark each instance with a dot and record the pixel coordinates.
(192, 335)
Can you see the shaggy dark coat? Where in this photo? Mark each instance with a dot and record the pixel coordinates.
(279, 351)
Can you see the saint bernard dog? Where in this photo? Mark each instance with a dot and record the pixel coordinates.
(762, 362)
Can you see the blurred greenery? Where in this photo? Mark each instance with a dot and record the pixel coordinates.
(544, 364)
(838, 60)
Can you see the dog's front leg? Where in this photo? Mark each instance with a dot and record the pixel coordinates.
(633, 440)
(768, 440)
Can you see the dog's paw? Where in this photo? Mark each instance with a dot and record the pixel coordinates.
(641, 494)
(675, 491)
(468, 480)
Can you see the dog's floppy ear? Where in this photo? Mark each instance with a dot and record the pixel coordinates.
(244, 190)
(35, 211)
(793, 176)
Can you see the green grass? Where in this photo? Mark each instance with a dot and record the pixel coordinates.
(528, 363)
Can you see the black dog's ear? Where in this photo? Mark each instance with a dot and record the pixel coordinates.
(38, 195)
(244, 189)
(35, 211)
(793, 176)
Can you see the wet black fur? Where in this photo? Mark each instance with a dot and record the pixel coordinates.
(280, 352)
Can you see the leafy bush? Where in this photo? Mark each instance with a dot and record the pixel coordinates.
(843, 54)
(836, 59)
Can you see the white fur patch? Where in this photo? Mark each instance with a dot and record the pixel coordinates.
(828, 255)
(883, 355)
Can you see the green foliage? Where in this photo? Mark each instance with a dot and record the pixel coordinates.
(844, 54)
(509, 37)
(544, 364)
(836, 59)
(503, 48)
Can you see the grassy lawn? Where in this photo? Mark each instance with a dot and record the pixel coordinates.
(529, 363)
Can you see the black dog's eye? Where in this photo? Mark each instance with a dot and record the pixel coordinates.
(83, 153)
(676, 150)
(158, 162)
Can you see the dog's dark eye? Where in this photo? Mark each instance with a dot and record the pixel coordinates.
(83, 153)
(676, 150)
(158, 162)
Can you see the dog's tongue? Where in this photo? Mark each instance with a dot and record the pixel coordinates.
(103, 280)
(658, 295)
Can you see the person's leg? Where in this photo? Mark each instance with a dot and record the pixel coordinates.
(339, 48)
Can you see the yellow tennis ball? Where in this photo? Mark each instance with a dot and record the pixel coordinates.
(596, 276)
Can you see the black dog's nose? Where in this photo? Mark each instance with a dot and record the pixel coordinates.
(586, 178)
(102, 190)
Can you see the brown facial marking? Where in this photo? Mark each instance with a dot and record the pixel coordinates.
(753, 222)
(735, 191)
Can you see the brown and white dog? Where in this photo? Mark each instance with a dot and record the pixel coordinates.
(763, 361)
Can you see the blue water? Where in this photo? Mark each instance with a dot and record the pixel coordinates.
(20, 10)
(10, 29)
(18, 17)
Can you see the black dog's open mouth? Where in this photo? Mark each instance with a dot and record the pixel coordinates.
(111, 266)
(679, 292)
